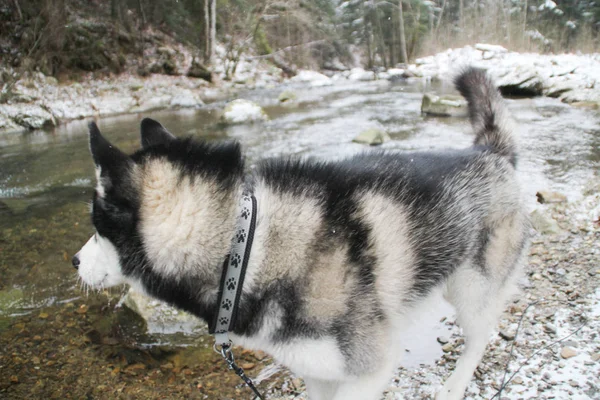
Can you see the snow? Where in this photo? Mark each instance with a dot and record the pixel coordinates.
(241, 111)
(315, 79)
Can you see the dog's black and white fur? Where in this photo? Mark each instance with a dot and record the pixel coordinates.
(343, 252)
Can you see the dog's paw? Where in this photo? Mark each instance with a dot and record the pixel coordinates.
(231, 283)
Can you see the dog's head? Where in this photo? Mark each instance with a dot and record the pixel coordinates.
(162, 212)
(115, 208)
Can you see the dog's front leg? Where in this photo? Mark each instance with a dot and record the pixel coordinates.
(319, 389)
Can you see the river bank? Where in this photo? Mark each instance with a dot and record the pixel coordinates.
(39, 101)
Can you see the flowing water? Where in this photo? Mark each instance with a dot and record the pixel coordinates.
(46, 177)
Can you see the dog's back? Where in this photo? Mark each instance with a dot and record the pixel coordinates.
(347, 249)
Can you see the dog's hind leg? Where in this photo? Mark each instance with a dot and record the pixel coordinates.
(479, 294)
(319, 389)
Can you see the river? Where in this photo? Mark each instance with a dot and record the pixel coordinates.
(47, 178)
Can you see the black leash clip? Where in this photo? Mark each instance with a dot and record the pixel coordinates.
(227, 354)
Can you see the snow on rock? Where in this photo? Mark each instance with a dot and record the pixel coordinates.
(185, 99)
(490, 47)
(240, 111)
(30, 116)
(572, 78)
(314, 78)
(359, 74)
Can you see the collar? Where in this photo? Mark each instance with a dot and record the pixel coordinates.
(234, 271)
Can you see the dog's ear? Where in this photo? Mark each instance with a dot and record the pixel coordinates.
(153, 133)
(105, 154)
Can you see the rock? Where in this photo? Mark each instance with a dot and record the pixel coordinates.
(197, 70)
(447, 348)
(517, 380)
(154, 102)
(9, 299)
(397, 74)
(543, 223)
(590, 105)
(287, 96)
(442, 340)
(8, 125)
(372, 136)
(241, 111)
(248, 366)
(160, 317)
(490, 48)
(68, 109)
(446, 106)
(185, 99)
(596, 357)
(544, 196)
(506, 335)
(523, 80)
(314, 78)
(34, 117)
(359, 74)
(568, 352)
(550, 328)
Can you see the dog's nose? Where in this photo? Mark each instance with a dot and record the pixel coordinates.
(76, 261)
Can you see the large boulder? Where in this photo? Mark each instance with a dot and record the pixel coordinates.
(8, 125)
(241, 111)
(524, 80)
(445, 106)
(33, 117)
(159, 316)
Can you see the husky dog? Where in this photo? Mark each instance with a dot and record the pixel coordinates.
(343, 251)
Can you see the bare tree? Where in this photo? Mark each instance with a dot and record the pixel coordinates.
(403, 52)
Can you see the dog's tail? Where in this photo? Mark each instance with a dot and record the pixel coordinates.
(487, 111)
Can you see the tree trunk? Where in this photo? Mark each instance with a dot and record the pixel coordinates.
(206, 32)
(142, 13)
(403, 53)
(18, 8)
(213, 27)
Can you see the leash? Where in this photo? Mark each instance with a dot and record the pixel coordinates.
(225, 351)
(232, 281)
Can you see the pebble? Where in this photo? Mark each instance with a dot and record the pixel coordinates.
(506, 335)
(447, 348)
(442, 339)
(248, 365)
(517, 380)
(550, 328)
(568, 352)
(595, 356)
